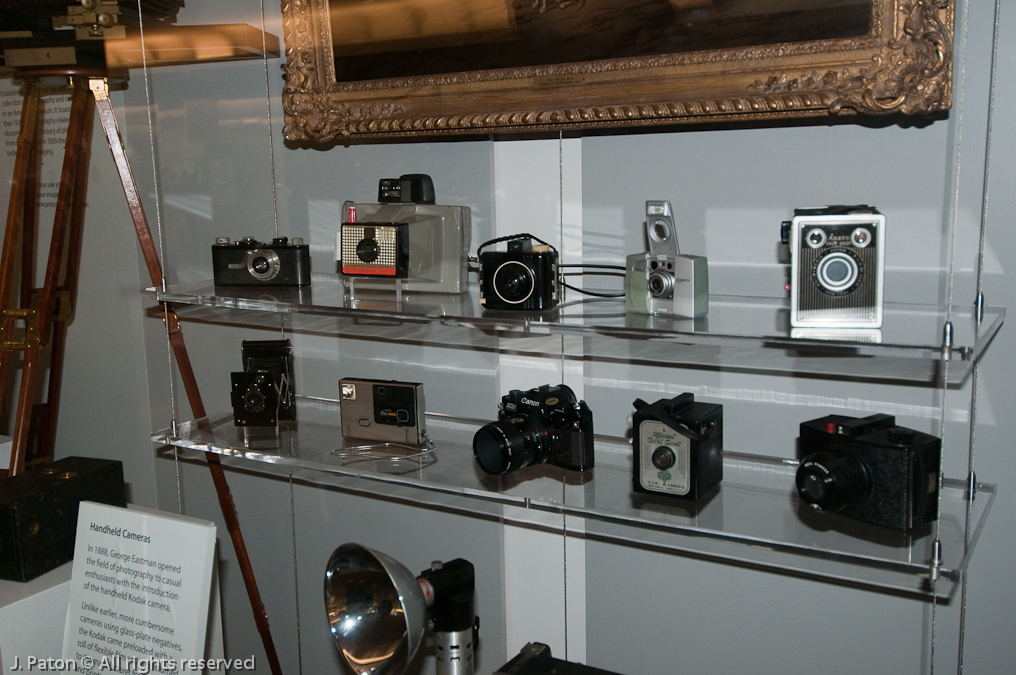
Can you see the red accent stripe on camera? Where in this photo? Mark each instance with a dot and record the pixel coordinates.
(370, 271)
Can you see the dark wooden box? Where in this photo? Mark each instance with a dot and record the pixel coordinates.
(39, 512)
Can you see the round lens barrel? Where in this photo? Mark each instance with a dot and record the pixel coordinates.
(832, 480)
(507, 445)
(513, 282)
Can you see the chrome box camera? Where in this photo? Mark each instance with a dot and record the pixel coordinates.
(377, 611)
(662, 280)
(525, 277)
(404, 241)
(837, 265)
(547, 424)
(249, 262)
(870, 470)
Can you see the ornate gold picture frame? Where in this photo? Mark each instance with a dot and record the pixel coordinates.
(411, 68)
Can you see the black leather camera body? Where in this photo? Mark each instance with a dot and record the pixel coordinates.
(525, 277)
(249, 262)
(869, 469)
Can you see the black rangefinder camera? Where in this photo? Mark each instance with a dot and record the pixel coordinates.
(262, 394)
(543, 425)
(523, 277)
(249, 262)
(870, 470)
(678, 446)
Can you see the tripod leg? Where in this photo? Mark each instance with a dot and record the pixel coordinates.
(42, 433)
(47, 299)
(109, 126)
(25, 157)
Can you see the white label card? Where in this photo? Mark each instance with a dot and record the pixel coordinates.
(140, 591)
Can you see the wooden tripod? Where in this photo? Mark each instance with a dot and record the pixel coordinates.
(33, 324)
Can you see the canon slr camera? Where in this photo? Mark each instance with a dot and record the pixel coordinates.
(382, 410)
(525, 277)
(263, 394)
(678, 446)
(249, 262)
(547, 424)
(869, 469)
(405, 241)
(837, 266)
(662, 280)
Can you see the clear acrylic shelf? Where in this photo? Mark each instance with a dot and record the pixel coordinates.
(755, 517)
(740, 332)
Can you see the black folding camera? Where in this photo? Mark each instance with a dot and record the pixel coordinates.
(543, 425)
(249, 262)
(523, 277)
(678, 446)
(870, 470)
(263, 394)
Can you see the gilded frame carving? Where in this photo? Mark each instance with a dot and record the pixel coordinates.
(904, 65)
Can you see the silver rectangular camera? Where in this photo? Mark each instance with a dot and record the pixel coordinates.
(663, 281)
(837, 261)
(382, 410)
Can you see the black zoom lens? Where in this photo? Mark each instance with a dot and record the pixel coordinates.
(508, 445)
(832, 480)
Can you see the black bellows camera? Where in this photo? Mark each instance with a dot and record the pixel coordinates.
(262, 394)
(870, 470)
(249, 262)
(547, 424)
(523, 277)
(678, 446)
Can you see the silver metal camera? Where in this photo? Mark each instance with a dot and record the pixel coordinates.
(837, 266)
(382, 410)
(404, 242)
(662, 280)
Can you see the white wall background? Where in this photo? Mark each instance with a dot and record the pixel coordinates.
(645, 611)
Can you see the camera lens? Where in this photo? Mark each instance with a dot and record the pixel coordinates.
(510, 444)
(263, 264)
(367, 250)
(661, 284)
(832, 480)
(815, 238)
(513, 282)
(260, 265)
(253, 399)
(663, 458)
(837, 272)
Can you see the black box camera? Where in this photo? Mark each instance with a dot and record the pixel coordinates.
(249, 262)
(870, 470)
(547, 424)
(678, 447)
(525, 277)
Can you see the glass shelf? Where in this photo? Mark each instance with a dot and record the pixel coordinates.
(740, 332)
(755, 517)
